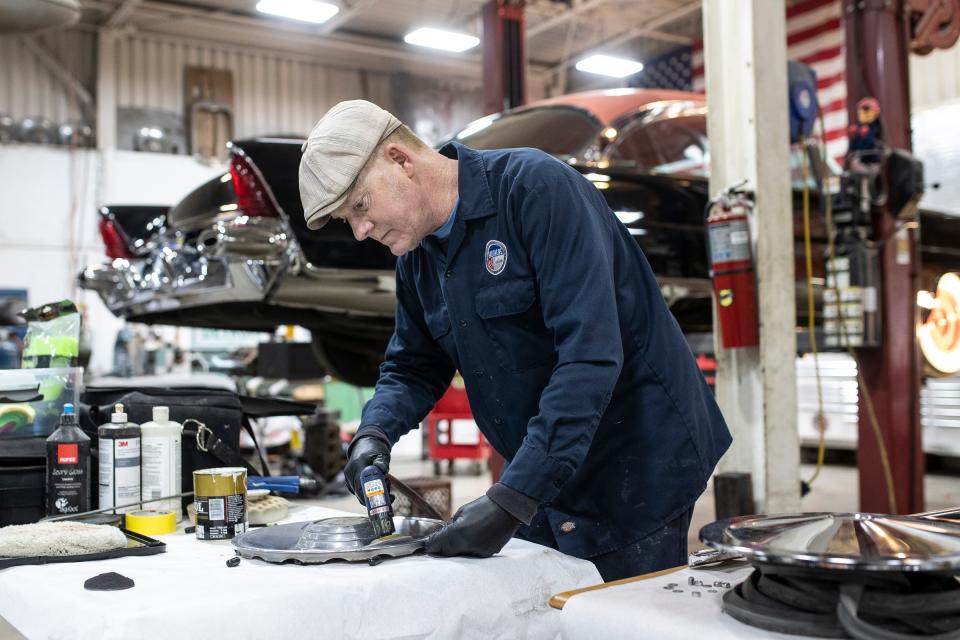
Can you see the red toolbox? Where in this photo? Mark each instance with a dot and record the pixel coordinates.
(452, 433)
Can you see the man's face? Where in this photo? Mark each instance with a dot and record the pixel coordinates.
(386, 204)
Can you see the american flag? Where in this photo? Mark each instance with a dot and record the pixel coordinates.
(815, 38)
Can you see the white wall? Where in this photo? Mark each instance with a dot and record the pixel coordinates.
(47, 206)
(935, 112)
(935, 78)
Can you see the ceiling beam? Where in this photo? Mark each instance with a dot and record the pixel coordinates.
(344, 16)
(565, 17)
(122, 14)
(67, 79)
(238, 30)
(649, 30)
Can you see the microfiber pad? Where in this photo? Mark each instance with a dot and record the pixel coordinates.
(61, 538)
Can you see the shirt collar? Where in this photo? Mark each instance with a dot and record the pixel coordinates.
(475, 200)
(444, 231)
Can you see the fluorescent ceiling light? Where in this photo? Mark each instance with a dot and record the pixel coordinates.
(609, 66)
(440, 39)
(305, 10)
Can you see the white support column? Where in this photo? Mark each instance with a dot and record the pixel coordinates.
(746, 78)
(106, 89)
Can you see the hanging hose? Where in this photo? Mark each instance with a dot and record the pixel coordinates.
(867, 400)
(821, 421)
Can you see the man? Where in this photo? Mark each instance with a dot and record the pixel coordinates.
(513, 270)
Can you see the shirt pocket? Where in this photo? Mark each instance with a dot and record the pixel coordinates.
(438, 323)
(513, 320)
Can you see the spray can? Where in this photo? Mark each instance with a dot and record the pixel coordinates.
(160, 440)
(119, 452)
(376, 491)
(68, 467)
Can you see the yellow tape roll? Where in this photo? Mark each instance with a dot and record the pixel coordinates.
(151, 523)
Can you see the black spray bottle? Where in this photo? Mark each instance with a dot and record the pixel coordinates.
(68, 467)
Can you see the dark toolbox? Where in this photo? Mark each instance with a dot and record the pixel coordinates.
(224, 413)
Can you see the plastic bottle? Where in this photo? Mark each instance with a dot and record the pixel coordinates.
(161, 461)
(68, 467)
(119, 449)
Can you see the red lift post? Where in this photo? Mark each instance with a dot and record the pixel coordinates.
(876, 56)
(504, 57)
(878, 42)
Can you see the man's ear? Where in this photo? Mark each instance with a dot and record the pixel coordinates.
(400, 154)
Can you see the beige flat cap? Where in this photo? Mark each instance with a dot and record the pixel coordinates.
(338, 147)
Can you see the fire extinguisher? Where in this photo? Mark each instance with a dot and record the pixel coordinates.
(731, 267)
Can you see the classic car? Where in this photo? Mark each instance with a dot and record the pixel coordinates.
(235, 253)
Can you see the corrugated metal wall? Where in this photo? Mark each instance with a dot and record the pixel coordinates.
(27, 88)
(273, 92)
(935, 78)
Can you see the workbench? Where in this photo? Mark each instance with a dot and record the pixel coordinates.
(189, 592)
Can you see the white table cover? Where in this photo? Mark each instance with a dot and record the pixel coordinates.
(189, 592)
(645, 609)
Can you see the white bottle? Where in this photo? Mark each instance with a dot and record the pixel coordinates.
(119, 453)
(161, 461)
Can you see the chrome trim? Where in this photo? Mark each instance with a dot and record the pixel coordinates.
(245, 237)
(845, 541)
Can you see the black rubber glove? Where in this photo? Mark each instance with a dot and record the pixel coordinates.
(479, 528)
(364, 451)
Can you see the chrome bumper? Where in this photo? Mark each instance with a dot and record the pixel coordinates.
(240, 259)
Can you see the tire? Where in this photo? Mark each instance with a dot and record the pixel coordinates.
(353, 366)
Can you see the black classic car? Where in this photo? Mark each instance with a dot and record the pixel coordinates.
(236, 254)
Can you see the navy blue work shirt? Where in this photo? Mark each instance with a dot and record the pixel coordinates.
(576, 371)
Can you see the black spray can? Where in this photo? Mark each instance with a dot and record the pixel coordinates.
(68, 467)
(377, 494)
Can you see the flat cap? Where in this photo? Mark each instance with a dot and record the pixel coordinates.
(335, 152)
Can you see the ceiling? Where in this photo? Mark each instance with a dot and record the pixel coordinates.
(370, 32)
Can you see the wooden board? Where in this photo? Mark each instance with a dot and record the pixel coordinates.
(558, 601)
(211, 126)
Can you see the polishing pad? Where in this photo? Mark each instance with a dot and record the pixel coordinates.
(63, 538)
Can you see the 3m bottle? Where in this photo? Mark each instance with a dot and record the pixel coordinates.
(162, 461)
(68, 467)
(119, 452)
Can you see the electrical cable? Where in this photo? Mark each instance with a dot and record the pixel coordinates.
(867, 399)
(811, 317)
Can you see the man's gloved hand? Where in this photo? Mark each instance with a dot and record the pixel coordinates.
(364, 451)
(479, 528)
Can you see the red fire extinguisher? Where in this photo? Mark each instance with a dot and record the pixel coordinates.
(731, 265)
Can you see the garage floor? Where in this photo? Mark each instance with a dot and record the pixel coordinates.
(835, 490)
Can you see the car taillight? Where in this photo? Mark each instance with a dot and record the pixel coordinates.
(116, 246)
(253, 199)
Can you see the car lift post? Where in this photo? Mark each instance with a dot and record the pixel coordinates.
(876, 65)
(504, 56)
